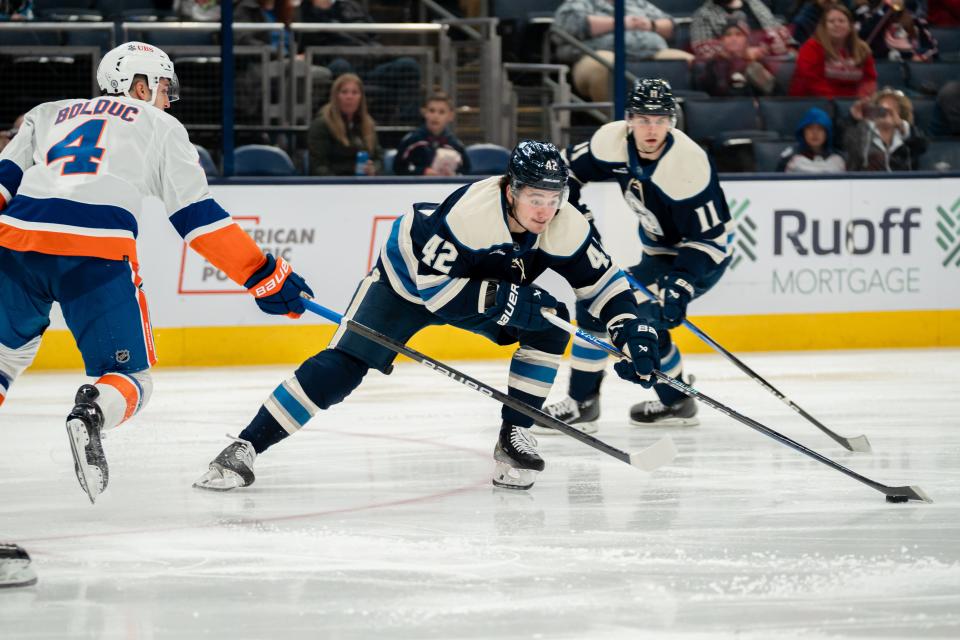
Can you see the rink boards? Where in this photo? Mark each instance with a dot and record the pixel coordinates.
(817, 264)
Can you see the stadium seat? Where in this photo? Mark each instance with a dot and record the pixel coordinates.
(113, 9)
(928, 77)
(388, 157)
(924, 108)
(487, 159)
(891, 74)
(676, 72)
(767, 154)
(522, 40)
(948, 42)
(941, 155)
(207, 162)
(708, 118)
(783, 71)
(262, 160)
(26, 37)
(783, 114)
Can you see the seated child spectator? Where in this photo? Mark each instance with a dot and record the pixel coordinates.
(885, 139)
(733, 70)
(433, 149)
(814, 152)
(342, 128)
(834, 61)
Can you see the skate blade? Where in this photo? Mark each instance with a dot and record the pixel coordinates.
(583, 427)
(667, 422)
(16, 573)
(89, 477)
(507, 477)
(218, 479)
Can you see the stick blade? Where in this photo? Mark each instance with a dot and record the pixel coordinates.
(859, 444)
(660, 453)
(908, 493)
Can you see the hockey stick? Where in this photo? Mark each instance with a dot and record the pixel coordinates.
(894, 494)
(656, 455)
(857, 443)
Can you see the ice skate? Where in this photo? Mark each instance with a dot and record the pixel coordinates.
(653, 413)
(516, 457)
(83, 428)
(231, 469)
(15, 569)
(579, 415)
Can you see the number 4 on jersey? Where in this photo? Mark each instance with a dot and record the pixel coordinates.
(80, 146)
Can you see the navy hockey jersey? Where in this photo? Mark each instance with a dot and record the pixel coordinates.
(446, 256)
(682, 209)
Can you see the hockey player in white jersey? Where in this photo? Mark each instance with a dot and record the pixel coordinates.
(71, 187)
(669, 182)
(467, 262)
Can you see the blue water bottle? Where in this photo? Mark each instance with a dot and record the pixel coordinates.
(362, 158)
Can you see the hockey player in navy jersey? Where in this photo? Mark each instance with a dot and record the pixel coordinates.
(467, 262)
(669, 182)
(72, 184)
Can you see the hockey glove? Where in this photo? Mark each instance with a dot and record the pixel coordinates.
(639, 341)
(675, 293)
(277, 288)
(519, 306)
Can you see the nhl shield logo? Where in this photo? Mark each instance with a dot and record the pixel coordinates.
(122, 356)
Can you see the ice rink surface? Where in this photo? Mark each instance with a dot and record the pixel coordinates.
(379, 520)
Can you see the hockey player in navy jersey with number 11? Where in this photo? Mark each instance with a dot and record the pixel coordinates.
(468, 262)
(669, 182)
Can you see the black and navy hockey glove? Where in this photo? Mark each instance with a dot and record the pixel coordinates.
(675, 294)
(639, 341)
(277, 288)
(519, 306)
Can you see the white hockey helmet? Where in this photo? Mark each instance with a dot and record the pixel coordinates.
(119, 66)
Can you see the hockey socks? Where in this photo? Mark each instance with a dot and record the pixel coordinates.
(319, 383)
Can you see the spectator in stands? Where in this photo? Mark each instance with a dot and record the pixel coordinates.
(269, 12)
(395, 81)
(946, 117)
(199, 10)
(767, 35)
(7, 136)
(944, 13)
(893, 31)
(433, 149)
(341, 129)
(591, 22)
(734, 69)
(814, 152)
(835, 61)
(16, 10)
(885, 139)
(804, 18)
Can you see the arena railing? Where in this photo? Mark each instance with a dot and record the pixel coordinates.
(526, 108)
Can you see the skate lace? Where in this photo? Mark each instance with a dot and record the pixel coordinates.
(565, 408)
(523, 442)
(244, 452)
(653, 406)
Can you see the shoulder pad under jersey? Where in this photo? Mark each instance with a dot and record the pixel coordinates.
(566, 233)
(684, 171)
(609, 143)
(476, 219)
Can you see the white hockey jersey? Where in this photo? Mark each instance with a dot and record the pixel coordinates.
(73, 180)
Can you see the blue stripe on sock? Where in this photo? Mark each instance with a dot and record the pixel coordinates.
(585, 353)
(673, 361)
(291, 405)
(532, 371)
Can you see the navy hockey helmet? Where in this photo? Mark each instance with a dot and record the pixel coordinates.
(652, 97)
(537, 164)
